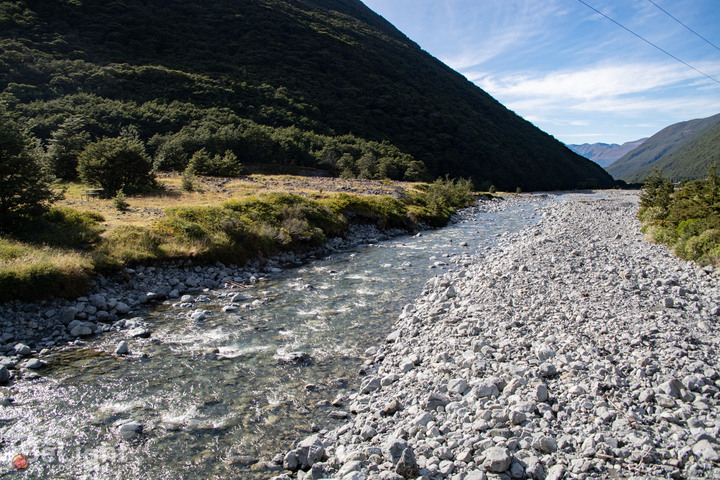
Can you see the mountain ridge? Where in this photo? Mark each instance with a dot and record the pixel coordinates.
(605, 154)
(683, 151)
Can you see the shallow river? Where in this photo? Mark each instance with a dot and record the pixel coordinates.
(211, 395)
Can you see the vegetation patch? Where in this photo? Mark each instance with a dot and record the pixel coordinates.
(686, 218)
(58, 251)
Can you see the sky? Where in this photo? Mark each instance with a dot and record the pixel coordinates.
(570, 71)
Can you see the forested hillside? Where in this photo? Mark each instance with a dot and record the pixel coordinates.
(325, 84)
(682, 151)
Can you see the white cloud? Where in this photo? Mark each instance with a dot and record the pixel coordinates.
(584, 84)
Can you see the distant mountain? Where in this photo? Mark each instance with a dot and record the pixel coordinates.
(287, 83)
(682, 151)
(605, 154)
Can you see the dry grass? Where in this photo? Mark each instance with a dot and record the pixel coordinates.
(146, 209)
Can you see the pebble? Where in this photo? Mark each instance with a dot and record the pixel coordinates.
(572, 349)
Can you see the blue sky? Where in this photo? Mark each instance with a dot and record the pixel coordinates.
(570, 71)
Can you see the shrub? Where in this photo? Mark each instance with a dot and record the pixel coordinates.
(24, 184)
(65, 146)
(114, 163)
(120, 201)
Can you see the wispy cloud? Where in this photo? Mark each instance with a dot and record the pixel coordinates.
(594, 82)
(619, 88)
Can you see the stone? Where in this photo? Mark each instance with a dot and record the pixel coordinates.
(547, 370)
(541, 393)
(309, 451)
(370, 384)
(122, 308)
(544, 352)
(393, 448)
(435, 400)
(21, 349)
(129, 430)
(390, 408)
(295, 358)
(497, 459)
(457, 385)
(34, 364)
(476, 475)
(4, 375)
(81, 331)
(556, 472)
(705, 450)
(122, 348)
(406, 465)
(139, 332)
(291, 462)
(545, 444)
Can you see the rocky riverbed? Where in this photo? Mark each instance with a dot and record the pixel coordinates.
(574, 349)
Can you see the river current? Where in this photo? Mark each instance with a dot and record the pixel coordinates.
(211, 395)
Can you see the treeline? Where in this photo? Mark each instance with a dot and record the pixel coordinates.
(240, 143)
(686, 218)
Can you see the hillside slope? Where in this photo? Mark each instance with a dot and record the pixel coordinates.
(316, 83)
(683, 151)
(605, 154)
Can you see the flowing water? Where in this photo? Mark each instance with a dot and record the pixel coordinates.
(211, 394)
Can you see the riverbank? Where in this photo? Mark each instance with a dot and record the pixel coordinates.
(575, 349)
(234, 221)
(30, 331)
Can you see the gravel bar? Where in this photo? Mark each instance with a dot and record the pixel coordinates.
(573, 349)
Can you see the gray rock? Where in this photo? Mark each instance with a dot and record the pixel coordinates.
(122, 348)
(81, 331)
(393, 448)
(68, 315)
(122, 308)
(545, 444)
(541, 393)
(139, 332)
(435, 400)
(21, 349)
(129, 430)
(370, 384)
(294, 358)
(705, 450)
(556, 472)
(476, 475)
(4, 375)
(406, 465)
(34, 364)
(497, 459)
(547, 370)
(309, 451)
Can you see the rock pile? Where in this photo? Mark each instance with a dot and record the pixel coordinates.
(575, 349)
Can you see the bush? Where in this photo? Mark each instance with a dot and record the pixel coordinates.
(24, 184)
(120, 201)
(687, 219)
(115, 163)
(66, 143)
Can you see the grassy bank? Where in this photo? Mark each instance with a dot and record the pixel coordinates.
(232, 221)
(686, 218)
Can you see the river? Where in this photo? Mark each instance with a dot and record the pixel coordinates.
(211, 395)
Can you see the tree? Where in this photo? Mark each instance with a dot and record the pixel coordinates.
(115, 163)
(66, 144)
(24, 184)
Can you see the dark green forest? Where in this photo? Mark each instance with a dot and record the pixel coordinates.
(280, 85)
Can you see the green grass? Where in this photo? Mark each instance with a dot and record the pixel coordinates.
(57, 253)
